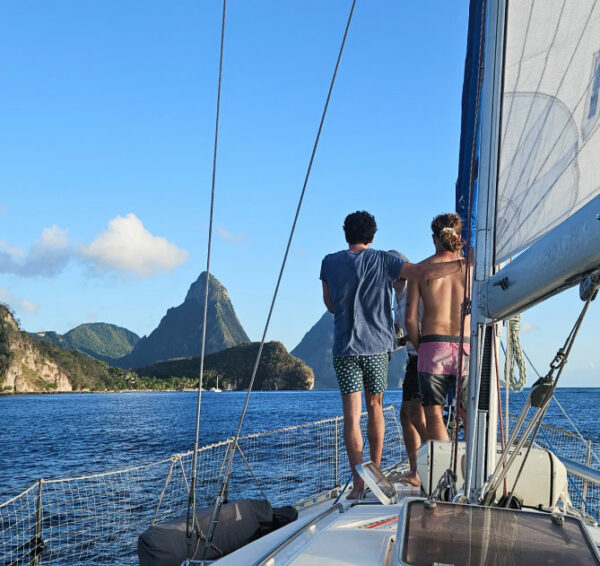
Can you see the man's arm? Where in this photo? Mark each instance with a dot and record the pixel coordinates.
(411, 316)
(327, 297)
(430, 270)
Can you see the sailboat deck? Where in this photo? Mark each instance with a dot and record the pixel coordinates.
(406, 533)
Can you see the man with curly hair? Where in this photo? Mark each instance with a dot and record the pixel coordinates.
(438, 340)
(357, 289)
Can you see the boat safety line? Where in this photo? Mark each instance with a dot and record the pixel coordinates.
(539, 398)
(564, 412)
(572, 483)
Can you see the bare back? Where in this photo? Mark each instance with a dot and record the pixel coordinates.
(442, 300)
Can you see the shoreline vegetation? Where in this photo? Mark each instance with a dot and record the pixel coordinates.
(166, 390)
(31, 365)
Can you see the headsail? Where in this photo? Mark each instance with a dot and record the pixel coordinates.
(550, 144)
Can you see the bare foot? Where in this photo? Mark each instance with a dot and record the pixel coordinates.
(411, 478)
(356, 493)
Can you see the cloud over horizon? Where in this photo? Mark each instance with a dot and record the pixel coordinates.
(126, 247)
(48, 256)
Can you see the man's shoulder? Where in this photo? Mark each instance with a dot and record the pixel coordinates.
(430, 259)
(333, 256)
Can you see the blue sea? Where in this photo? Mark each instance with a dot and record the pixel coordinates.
(62, 435)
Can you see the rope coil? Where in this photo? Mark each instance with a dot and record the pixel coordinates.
(514, 356)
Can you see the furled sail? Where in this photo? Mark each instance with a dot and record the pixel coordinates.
(550, 145)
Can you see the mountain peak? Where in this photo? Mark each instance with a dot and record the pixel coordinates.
(179, 334)
(197, 289)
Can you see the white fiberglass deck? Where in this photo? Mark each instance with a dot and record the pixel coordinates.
(370, 534)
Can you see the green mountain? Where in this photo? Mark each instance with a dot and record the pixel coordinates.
(277, 368)
(315, 350)
(30, 365)
(99, 340)
(179, 333)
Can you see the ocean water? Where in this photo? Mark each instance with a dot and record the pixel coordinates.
(62, 435)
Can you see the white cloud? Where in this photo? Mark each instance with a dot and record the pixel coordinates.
(125, 246)
(11, 250)
(54, 237)
(48, 256)
(128, 248)
(224, 234)
(28, 305)
(592, 365)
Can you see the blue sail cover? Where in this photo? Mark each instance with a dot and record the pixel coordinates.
(469, 133)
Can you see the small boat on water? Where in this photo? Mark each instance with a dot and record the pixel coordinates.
(529, 179)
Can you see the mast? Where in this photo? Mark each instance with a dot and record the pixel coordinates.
(482, 401)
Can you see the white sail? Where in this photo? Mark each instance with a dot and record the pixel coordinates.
(550, 145)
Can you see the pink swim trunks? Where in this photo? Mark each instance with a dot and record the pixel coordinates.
(438, 355)
(438, 368)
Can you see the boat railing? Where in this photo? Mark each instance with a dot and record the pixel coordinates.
(96, 518)
(581, 458)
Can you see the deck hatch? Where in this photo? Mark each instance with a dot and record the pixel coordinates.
(465, 534)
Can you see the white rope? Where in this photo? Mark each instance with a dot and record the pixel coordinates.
(515, 356)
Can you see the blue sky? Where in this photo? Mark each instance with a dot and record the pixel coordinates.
(107, 123)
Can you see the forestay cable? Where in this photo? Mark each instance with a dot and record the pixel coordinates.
(222, 495)
(191, 511)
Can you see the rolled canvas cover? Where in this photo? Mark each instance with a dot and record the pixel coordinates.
(239, 523)
(550, 143)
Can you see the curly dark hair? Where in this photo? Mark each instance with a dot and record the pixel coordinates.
(360, 227)
(447, 228)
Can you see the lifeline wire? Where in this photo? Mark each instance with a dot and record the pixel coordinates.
(223, 490)
(564, 412)
(191, 511)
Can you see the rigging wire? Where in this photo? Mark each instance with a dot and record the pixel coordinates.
(539, 397)
(564, 412)
(466, 305)
(222, 495)
(191, 510)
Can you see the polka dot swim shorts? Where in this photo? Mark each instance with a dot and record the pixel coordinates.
(355, 373)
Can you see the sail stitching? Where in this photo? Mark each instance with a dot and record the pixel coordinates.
(547, 113)
(539, 83)
(518, 76)
(516, 218)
